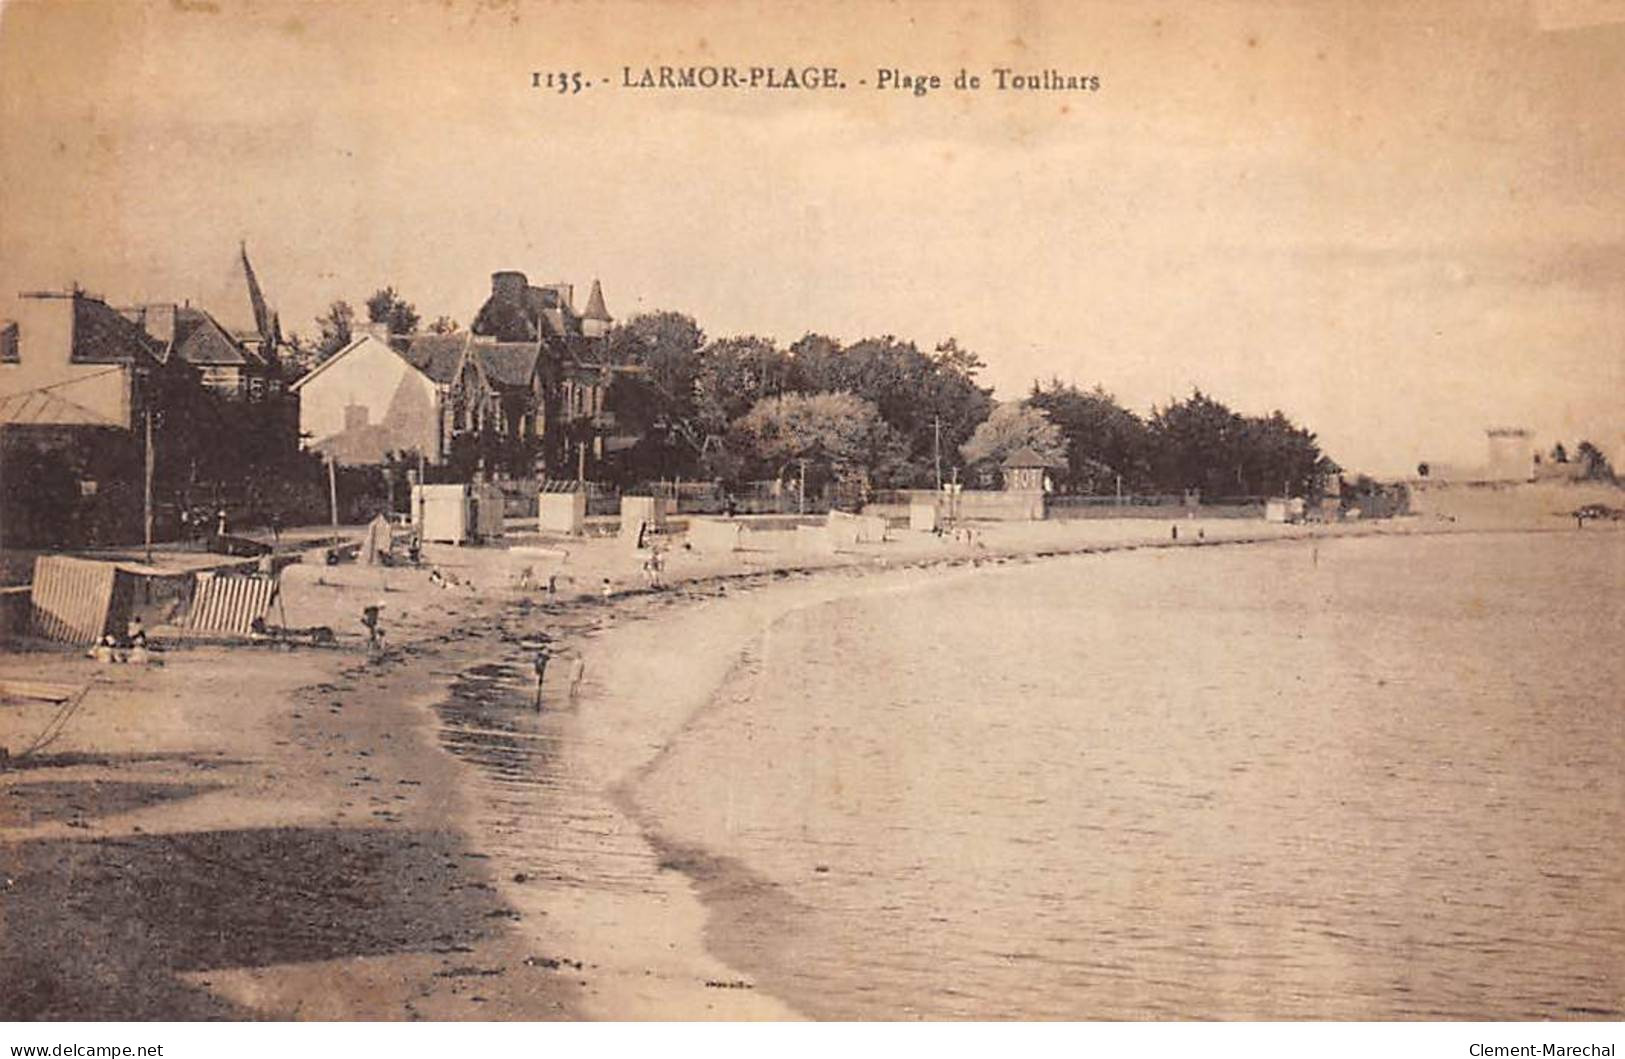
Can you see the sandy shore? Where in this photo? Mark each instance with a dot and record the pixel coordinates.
(252, 833)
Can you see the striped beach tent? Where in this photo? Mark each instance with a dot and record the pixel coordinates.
(230, 602)
(79, 600)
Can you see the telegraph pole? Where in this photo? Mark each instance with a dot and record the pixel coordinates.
(147, 520)
(333, 487)
(936, 451)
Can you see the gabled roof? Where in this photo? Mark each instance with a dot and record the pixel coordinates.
(199, 339)
(437, 356)
(356, 343)
(1025, 457)
(101, 335)
(508, 363)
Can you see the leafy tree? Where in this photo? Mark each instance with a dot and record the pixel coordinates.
(298, 356)
(666, 346)
(1596, 464)
(336, 328)
(443, 325)
(734, 374)
(1012, 426)
(387, 307)
(933, 402)
(1199, 443)
(1104, 440)
(842, 438)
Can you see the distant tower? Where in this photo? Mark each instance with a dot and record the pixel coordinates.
(595, 319)
(1512, 459)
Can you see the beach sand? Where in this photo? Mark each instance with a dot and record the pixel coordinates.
(244, 832)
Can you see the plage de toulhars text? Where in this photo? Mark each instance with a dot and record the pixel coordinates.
(917, 83)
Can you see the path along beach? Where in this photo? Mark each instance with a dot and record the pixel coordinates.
(739, 816)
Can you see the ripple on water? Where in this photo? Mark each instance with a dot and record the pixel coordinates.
(1236, 783)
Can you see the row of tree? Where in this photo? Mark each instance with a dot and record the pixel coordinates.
(881, 412)
(884, 413)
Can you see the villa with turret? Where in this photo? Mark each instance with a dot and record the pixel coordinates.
(522, 391)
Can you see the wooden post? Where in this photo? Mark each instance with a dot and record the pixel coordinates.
(148, 485)
(936, 451)
(333, 488)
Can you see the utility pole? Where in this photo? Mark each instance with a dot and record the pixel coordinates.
(936, 451)
(147, 520)
(333, 488)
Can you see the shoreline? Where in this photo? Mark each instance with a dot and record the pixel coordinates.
(620, 928)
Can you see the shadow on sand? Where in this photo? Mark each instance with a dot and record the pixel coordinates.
(97, 930)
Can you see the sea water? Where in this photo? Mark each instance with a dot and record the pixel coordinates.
(1353, 779)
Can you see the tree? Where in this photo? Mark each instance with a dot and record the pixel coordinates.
(1199, 443)
(298, 356)
(1012, 426)
(933, 402)
(1559, 453)
(443, 325)
(1596, 464)
(734, 374)
(387, 307)
(665, 346)
(841, 437)
(1105, 442)
(336, 327)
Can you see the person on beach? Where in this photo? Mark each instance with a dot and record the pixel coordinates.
(375, 635)
(578, 672)
(540, 664)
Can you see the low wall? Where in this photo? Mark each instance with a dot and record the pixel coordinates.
(989, 505)
(855, 529)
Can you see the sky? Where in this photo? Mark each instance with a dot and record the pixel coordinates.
(1399, 223)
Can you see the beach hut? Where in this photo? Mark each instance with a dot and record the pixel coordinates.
(378, 541)
(444, 513)
(1024, 471)
(80, 600)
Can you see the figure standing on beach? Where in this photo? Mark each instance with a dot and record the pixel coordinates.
(540, 663)
(375, 635)
(578, 672)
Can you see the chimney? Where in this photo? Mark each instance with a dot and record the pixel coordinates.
(508, 287)
(566, 295)
(159, 321)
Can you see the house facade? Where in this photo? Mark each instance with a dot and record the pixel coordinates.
(69, 358)
(368, 400)
(522, 392)
(79, 386)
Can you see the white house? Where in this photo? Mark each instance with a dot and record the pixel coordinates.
(368, 400)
